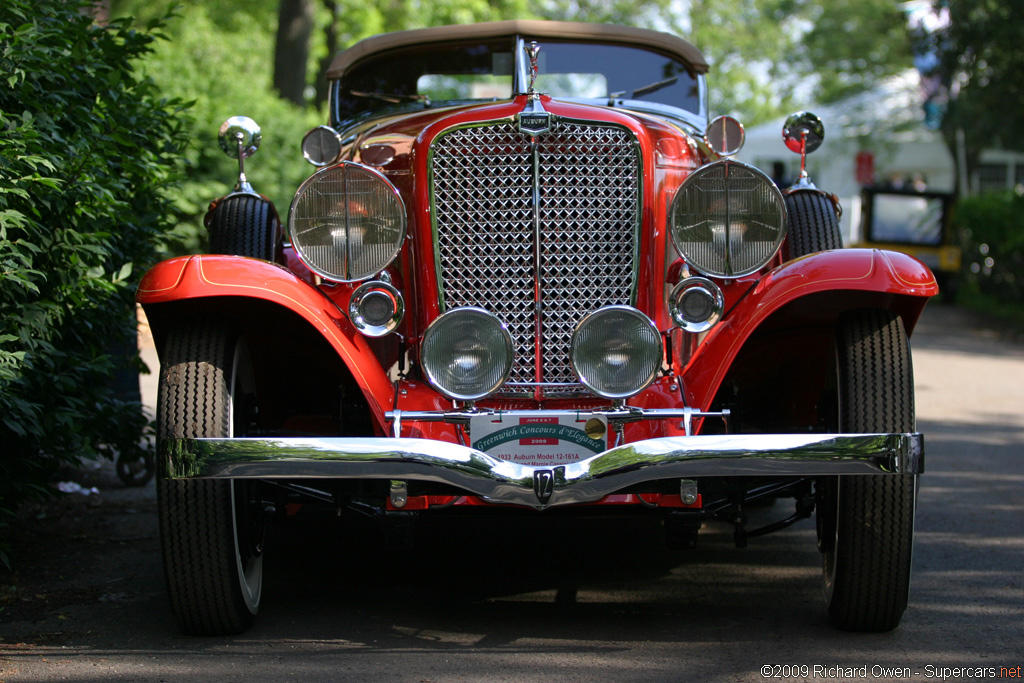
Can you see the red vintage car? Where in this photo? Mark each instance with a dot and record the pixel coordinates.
(527, 274)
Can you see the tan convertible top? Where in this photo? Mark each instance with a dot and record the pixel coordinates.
(606, 33)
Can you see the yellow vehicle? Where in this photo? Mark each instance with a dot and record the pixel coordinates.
(916, 223)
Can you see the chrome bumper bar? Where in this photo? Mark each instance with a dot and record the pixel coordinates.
(500, 481)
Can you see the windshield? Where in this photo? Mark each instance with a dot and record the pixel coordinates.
(436, 74)
(907, 219)
(587, 70)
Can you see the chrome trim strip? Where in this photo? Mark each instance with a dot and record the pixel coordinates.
(538, 270)
(499, 481)
(614, 414)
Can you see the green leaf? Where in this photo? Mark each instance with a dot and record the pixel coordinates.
(125, 272)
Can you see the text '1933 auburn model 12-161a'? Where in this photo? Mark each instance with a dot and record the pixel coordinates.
(528, 276)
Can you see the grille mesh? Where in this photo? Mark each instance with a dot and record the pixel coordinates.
(483, 184)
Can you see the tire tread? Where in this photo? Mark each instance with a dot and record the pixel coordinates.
(813, 224)
(876, 515)
(197, 538)
(243, 225)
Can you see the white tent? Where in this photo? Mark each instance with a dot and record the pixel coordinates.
(886, 122)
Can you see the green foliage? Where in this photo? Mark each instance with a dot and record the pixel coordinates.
(224, 67)
(853, 45)
(991, 226)
(981, 63)
(768, 57)
(771, 57)
(88, 149)
(220, 57)
(749, 45)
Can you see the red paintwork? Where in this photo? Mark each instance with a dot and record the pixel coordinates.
(848, 277)
(194, 277)
(894, 280)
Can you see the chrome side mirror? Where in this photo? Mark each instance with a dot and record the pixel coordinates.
(803, 133)
(239, 137)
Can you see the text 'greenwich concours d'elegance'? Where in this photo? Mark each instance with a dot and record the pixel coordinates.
(528, 277)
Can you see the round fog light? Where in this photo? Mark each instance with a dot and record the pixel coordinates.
(696, 304)
(467, 353)
(616, 351)
(376, 309)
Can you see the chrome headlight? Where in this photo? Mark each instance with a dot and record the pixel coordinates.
(347, 222)
(728, 219)
(467, 353)
(616, 351)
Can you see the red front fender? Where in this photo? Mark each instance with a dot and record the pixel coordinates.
(202, 277)
(829, 283)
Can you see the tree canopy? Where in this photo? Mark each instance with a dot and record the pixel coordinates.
(980, 62)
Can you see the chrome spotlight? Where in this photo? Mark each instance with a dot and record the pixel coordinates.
(696, 304)
(376, 308)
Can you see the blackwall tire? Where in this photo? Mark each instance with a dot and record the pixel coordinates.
(243, 225)
(866, 522)
(211, 531)
(813, 223)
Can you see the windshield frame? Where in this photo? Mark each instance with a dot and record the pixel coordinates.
(343, 117)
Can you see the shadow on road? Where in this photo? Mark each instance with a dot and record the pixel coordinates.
(526, 600)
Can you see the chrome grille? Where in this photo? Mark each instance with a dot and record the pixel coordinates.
(587, 181)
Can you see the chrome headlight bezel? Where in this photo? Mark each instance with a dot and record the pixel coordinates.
(347, 222)
(364, 295)
(605, 332)
(321, 146)
(714, 210)
(696, 286)
(441, 345)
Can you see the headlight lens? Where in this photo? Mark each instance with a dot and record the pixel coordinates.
(467, 353)
(616, 351)
(728, 219)
(347, 222)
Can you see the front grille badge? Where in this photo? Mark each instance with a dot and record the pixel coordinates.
(533, 119)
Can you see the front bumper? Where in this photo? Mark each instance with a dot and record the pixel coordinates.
(499, 481)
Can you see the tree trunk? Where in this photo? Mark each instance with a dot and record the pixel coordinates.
(99, 11)
(291, 51)
(331, 34)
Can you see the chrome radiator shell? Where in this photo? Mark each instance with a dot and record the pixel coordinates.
(539, 230)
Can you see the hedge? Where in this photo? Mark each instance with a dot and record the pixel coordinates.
(991, 226)
(89, 151)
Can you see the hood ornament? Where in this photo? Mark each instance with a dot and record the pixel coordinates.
(532, 51)
(533, 119)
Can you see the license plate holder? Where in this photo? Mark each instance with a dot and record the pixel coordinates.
(550, 438)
